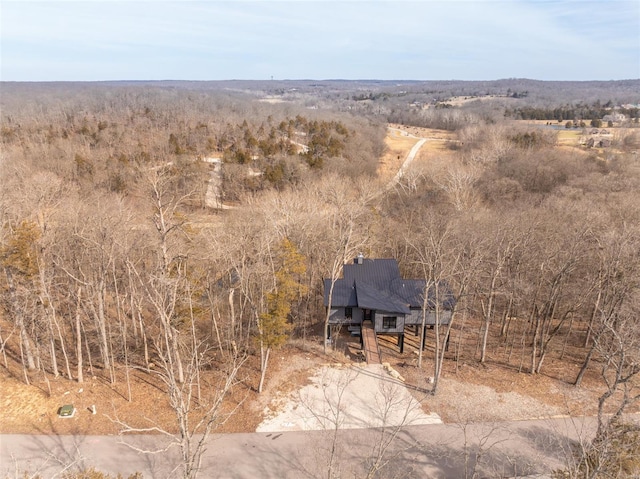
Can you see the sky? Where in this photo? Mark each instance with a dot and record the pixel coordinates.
(92, 40)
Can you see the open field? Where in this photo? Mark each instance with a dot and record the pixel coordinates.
(399, 141)
(569, 137)
(398, 145)
(458, 101)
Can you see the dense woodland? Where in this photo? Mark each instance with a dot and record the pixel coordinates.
(111, 259)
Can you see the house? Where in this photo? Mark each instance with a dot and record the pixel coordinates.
(614, 117)
(373, 290)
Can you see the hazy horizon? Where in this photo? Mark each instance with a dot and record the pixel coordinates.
(181, 40)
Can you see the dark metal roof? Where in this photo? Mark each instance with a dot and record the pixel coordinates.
(378, 272)
(343, 294)
(377, 284)
(370, 297)
(412, 291)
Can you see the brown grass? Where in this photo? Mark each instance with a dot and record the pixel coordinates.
(469, 391)
(32, 409)
(399, 144)
(398, 147)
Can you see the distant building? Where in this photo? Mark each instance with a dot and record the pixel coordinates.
(614, 117)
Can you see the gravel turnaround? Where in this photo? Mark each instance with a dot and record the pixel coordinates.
(347, 397)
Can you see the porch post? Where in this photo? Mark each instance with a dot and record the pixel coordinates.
(401, 342)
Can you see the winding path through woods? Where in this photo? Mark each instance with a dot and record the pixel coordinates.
(213, 197)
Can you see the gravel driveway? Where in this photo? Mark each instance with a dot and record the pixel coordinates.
(347, 397)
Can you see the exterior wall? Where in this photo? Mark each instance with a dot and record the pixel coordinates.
(445, 317)
(337, 316)
(416, 317)
(378, 323)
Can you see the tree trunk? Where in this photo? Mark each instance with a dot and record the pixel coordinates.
(534, 347)
(144, 341)
(263, 366)
(214, 322)
(24, 366)
(102, 328)
(485, 334)
(195, 354)
(54, 326)
(487, 317)
(423, 323)
(593, 318)
(543, 354)
(62, 346)
(26, 346)
(232, 312)
(566, 339)
(126, 360)
(441, 360)
(523, 343)
(328, 315)
(584, 367)
(176, 353)
(3, 343)
(423, 333)
(54, 360)
(506, 319)
(86, 345)
(25, 342)
(436, 328)
(79, 339)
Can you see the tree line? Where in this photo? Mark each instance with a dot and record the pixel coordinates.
(595, 111)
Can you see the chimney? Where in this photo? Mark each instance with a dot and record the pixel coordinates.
(359, 259)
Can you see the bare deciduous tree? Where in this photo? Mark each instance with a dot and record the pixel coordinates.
(196, 415)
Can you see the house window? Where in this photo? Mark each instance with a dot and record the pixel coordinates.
(348, 313)
(389, 322)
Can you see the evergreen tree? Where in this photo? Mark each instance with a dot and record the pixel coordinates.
(273, 325)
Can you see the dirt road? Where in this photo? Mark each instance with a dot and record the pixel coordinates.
(408, 159)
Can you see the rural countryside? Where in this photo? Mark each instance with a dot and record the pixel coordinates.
(208, 270)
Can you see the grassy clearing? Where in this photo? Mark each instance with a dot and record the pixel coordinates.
(398, 147)
(400, 143)
(569, 137)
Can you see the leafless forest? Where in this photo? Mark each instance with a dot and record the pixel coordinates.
(113, 260)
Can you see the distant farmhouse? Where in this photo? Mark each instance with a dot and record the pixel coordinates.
(373, 291)
(614, 117)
